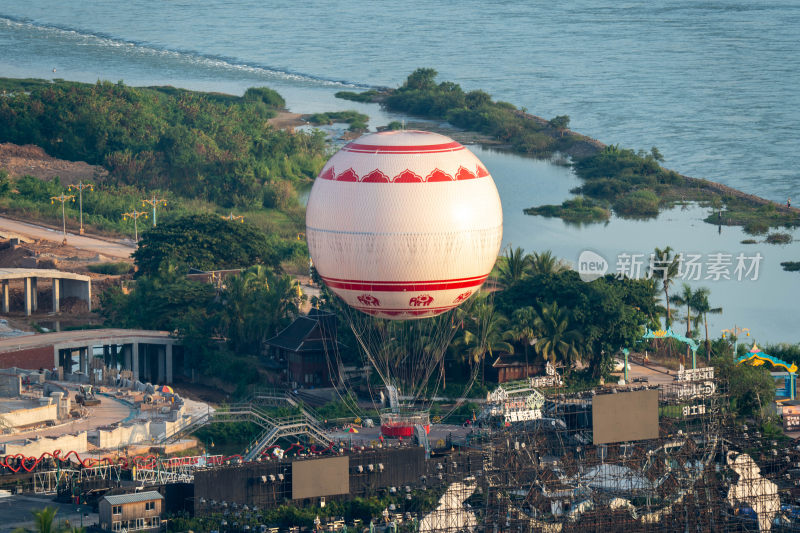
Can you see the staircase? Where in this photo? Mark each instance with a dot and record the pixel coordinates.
(305, 423)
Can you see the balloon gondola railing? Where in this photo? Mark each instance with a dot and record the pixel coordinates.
(402, 424)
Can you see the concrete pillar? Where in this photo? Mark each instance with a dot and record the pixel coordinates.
(127, 358)
(162, 364)
(79, 289)
(27, 295)
(135, 357)
(56, 295)
(83, 363)
(6, 307)
(35, 293)
(168, 362)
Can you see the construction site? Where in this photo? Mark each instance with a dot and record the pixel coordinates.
(643, 457)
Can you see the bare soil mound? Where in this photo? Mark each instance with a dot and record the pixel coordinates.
(33, 161)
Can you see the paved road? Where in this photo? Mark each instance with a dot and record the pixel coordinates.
(17, 512)
(109, 247)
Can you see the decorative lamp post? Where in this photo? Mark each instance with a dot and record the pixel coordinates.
(154, 201)
(79, 187)
(63, 198)
(734, 333)
(233, 217)
(135, 216)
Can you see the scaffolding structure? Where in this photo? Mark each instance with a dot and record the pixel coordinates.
(702, 472)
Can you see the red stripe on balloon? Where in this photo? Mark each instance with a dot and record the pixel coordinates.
(404, 286)
(421, 149)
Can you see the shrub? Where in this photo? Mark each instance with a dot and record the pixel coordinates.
(265, 95)
(638, 203)
(112, 269)
(779, 238)
(791, 266)
(756, 227)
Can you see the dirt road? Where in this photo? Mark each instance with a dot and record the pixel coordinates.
(111, 248)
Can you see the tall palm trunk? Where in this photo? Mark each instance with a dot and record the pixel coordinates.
(666, 298)
(688, 326)
(708, 344)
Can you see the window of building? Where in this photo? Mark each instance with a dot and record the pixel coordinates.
(156, 521)
(149, 506)
(117, 509)
(116, 526)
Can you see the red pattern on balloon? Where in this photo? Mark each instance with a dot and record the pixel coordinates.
(347, 175)
(463, 296)
(376, 176)
(327, 174)
(368, 299)
(464, 174)
(423, 300)
(439, 175)
(407, 176)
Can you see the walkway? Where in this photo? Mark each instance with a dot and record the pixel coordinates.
(112, 248)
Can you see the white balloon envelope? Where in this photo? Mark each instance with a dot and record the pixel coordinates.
(404, 224)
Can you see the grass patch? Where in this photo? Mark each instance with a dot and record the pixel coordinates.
(791, 266)
(366, 97)
(779, 238)
(749, 241)
(579, 210)
(357, 121)
(112, 269)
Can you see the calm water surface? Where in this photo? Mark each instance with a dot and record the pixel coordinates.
(712, 84)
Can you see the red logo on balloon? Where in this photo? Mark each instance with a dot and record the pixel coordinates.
(461, 297)
(423, 300)
(368, 299)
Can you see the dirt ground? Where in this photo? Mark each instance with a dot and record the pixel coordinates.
(33, 161)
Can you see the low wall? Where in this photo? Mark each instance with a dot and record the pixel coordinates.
(30, 416)
(37, 447)
(120, 436)
(31, 359)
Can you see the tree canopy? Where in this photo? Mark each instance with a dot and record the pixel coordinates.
(217, 147)
(208, 242)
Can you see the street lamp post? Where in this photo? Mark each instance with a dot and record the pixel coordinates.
(154, 201)
(734, 333)
(233, 217)
(63, 198)
(135, 216)
(79, 187)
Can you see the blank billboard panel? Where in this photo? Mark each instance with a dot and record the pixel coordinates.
(320, 477)
(625, 416)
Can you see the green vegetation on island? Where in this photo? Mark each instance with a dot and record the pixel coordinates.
(576, 210)
(357, 121)
(631, 183)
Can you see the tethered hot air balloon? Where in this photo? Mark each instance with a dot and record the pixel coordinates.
(403, 225)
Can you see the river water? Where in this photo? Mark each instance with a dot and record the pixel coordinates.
(711, 84)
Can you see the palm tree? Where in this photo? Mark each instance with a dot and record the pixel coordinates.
(44, 519)
(546, 263)
(557, 339)
(686, 297)
(665, 264)
(514, 266)
(702, 308)
(522, 329)
(485, 332)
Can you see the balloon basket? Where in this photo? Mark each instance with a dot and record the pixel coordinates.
(403, 424)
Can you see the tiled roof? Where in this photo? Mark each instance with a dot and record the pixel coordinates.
(134, 497)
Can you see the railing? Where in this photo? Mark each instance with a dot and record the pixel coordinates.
(273, 428)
